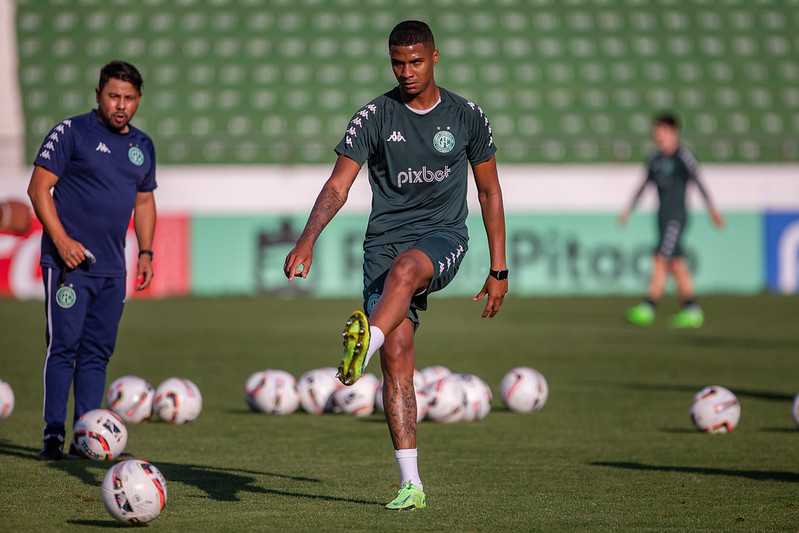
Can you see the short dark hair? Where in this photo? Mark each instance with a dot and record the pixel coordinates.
(120, 70)
(411, 32)
(669, 119)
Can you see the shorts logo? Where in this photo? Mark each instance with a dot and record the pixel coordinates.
(65, 297)
(136, 156)
(370, 303)
(444, 142)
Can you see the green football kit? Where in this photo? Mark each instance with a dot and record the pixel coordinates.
(418, 171)
(671, 174)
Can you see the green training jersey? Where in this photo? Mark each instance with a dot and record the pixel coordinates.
(418, 164)
(671, 174)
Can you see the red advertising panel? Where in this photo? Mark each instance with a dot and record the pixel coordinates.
(21, 276)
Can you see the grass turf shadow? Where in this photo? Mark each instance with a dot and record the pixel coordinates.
(218, 483)
(756, 475)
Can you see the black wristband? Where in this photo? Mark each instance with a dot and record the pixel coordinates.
(499, 274)
(146, 252)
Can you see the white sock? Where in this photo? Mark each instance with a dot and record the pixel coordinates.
(409, 471)
(376, 340)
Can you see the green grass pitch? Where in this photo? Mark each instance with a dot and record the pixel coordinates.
(613, 449)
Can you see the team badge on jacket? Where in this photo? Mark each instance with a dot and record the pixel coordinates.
(136, 156)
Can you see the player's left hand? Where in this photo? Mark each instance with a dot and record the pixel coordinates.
(496, 290)
(718, 220)
(144, 271)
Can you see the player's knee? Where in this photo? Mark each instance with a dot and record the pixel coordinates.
(405, 270)
(397, 357)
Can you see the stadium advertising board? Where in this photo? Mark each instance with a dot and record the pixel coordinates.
(21, 275)
(555, 254)
(782, 251)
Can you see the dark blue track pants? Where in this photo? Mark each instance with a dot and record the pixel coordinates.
(83, 316)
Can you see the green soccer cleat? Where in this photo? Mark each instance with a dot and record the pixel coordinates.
(409, 497)
(641, 315)
(692, 317)
(356, 344)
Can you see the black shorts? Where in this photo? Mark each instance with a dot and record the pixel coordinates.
(445, 250)
(671, 231)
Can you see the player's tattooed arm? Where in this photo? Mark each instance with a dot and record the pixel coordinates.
(331, 198)
(328, 203)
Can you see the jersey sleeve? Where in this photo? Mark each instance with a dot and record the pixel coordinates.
(692, 169)
(148, 183)
(57, 148)
(481, 146)
(688, 159)
(363, 131)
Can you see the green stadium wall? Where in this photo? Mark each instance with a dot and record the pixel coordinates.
(549, 254)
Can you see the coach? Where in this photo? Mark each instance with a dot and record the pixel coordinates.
(100, 169)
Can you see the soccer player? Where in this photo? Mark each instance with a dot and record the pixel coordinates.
(101, 169)
(671, 168)
(419, 140)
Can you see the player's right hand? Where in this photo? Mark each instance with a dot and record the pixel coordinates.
(623, 218)
(71, 252)
(298, 262)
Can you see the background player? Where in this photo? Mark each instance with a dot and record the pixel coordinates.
(419, 140)
(101, 169)
(671, 168)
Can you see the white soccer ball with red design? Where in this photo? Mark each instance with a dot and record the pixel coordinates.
(131, 398)
(478, 397)
(316, 388)
(446, 400)
(100, 435)
(272, 391)
(177, 401)
(134, 491)
(431, 374)
(6, 400)
(715, 409)
(359, 398)
(524, 389)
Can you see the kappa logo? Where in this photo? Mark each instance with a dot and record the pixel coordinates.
(453, 259)
(396, 136)
(102, 148)
(45, 154)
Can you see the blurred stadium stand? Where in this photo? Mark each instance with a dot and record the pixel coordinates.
(563, 81)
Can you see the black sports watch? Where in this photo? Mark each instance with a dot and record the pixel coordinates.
(499, 274)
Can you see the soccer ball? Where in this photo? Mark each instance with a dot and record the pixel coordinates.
(134, 491)
(524, 389)
(6, 400)
(421, 398)
(446, 400)
(478, 397)
(358, 399)
(177, 401)
(316, 388)
(100, 435)
(715, 410)
(272, 391)
(431, 374)
(131, 398)
(795, 410)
